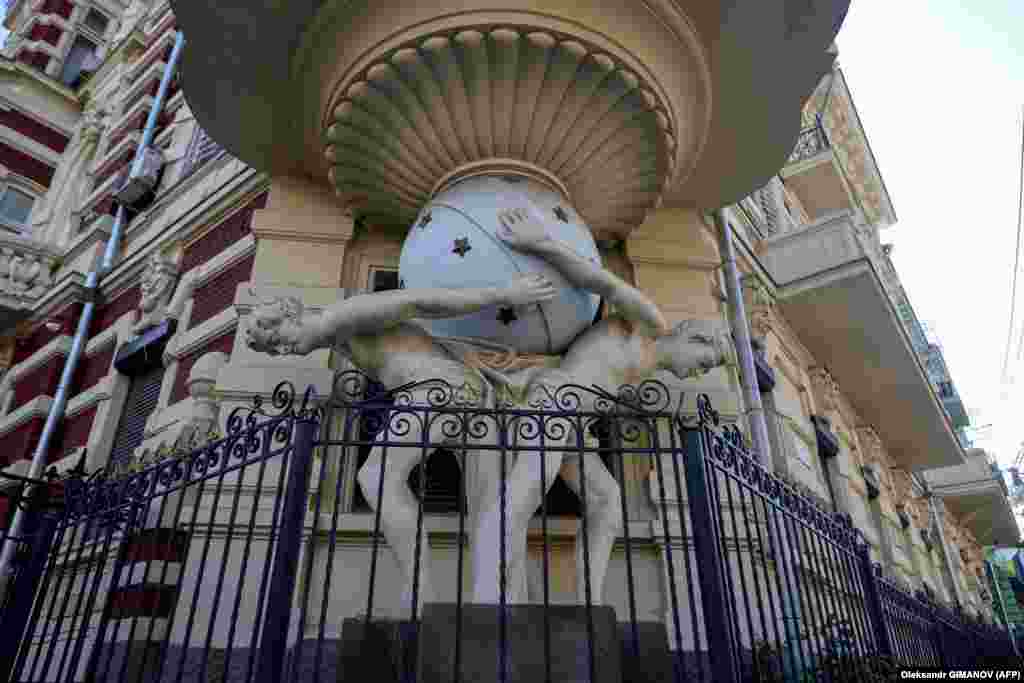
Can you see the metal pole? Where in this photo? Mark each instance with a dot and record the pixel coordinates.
(273, 647)
(741, 340)
(92, 286)
(707, 551)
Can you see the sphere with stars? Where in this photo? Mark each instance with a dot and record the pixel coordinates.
(454, 243)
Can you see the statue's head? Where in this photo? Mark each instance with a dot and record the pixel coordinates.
(156, 283)
(694, 347)
(274, 326)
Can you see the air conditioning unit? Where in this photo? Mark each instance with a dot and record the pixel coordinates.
(139, 178)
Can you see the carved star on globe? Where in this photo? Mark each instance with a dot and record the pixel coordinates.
(425, 221)
(461, 246)
(507, 315)
(561, 215)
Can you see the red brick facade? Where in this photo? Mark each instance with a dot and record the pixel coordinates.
(31, 128)
(25, 165)
(232, 229)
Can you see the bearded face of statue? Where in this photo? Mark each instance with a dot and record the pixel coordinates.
(155, 286)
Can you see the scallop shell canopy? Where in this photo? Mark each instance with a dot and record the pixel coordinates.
(449, 100)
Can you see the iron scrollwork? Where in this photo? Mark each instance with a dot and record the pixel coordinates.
(120, 499)
(728, 451)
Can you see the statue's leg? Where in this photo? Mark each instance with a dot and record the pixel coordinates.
(383, 479)
(603, 510)
(523, 495)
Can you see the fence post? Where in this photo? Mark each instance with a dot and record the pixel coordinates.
(38, 530)
(707, 553)
(873, 598)
(274, 638)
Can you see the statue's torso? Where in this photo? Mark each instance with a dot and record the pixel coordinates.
(406, 353)
(610, 354)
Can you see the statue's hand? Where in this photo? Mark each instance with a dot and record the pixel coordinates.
(529, 289)
(522, 230)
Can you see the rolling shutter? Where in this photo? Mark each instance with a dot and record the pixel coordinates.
(138, 406)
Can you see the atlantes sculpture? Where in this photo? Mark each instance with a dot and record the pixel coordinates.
(385, 335)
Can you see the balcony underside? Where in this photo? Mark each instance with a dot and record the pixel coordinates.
(845, 319)
(984, 511)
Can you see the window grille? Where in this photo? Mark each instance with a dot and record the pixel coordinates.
(140, 403)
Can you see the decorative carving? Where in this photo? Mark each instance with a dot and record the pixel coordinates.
(25, 268)
(825, 388)
(134, 12)
(903, 486)
(645, 151)
(57, 216)
(810, 143)
(771, 201)
(157, 286)
(375, 332)
(760, 308)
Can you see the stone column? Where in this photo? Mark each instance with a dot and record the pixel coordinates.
(675, 260)
(301, 237)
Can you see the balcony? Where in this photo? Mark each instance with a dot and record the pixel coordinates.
(830, 291)
(815, 175)
(26, 273)
(976, 493)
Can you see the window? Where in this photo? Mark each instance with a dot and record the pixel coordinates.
(80, 62)
(15, 206)
(143, 395)
(382, 280)
(96, 22)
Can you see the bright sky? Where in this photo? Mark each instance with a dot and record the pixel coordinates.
(939, 86)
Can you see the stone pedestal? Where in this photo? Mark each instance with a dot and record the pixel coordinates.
(393, 652)
(480, 651)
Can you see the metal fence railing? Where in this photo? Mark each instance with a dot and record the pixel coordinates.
(420, 534)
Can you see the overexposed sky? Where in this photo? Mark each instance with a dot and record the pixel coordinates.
(939, 86)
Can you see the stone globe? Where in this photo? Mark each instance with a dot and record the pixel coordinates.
(454, 243)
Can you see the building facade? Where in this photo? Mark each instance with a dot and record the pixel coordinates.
(862, 413)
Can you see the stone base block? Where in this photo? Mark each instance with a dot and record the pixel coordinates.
(524, 642)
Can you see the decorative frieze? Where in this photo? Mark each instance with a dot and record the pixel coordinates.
(26, 271)
(810, 143)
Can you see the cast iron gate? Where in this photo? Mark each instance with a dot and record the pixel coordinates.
(247, 558)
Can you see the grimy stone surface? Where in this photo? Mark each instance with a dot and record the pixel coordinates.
(480, 649)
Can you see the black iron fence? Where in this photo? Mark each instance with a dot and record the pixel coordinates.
(361, 535)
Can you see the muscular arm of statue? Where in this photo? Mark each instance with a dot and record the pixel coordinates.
(279, 327)
(525, 231)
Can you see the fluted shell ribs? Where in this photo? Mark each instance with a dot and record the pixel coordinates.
(429, 108)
